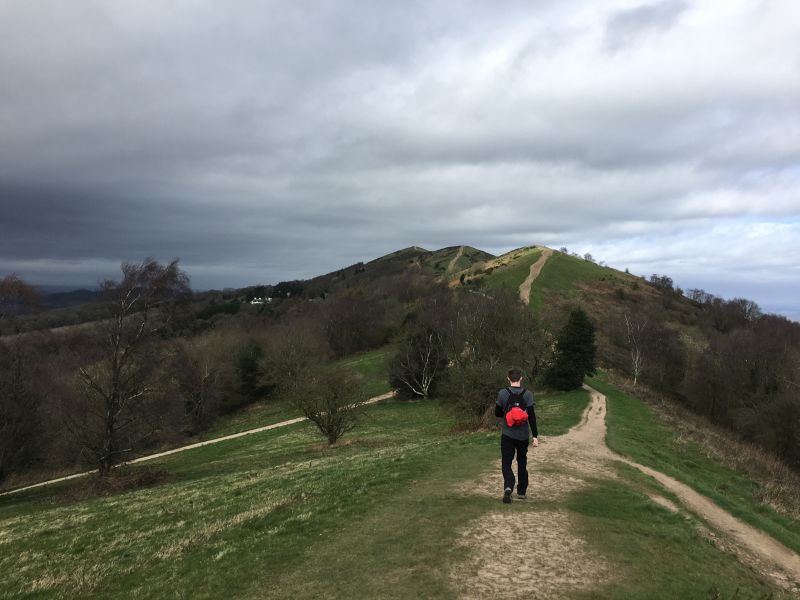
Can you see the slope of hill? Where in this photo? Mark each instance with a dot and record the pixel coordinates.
(509, 269)
(570, 278)
(406, 255)
(405, 506)
(411, 260)
(454, 259)
(606, 294)
(563, 277)
(401, 510)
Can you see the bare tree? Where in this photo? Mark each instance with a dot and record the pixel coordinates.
(420, 362)
(635, 334)
(749, 310)
(295, 350)
(485, 335)
(699, 295)
(196, 375)
(330, 402)
(16, 296)
(20, 435)
(116, 387)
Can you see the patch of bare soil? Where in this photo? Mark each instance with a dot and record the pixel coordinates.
(668, 504)
(536, 268)
(544, 558)
(557, 559)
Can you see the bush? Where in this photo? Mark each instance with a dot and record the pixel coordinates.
(330, 401)
(223, 308)
(472, 389)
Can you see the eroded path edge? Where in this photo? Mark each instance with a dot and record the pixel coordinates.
(776, 560)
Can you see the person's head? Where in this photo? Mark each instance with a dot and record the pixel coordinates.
(514, 375)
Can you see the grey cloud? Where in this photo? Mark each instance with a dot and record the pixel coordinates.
(625, 27)
(261, 141)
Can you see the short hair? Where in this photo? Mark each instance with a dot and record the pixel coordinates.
(514, 374)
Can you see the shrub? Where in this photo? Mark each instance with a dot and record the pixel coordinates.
(329, 401)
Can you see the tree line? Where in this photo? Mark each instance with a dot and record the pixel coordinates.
(457, 347)
(158, 368)
(149, 375)
(724, 359)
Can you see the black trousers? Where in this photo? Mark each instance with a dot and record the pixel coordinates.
(508, 447)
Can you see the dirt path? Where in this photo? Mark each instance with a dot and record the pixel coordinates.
(232, 436)
(564, 562)
(536, 268)
(453, 262)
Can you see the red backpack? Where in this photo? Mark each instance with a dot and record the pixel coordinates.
(515, 409)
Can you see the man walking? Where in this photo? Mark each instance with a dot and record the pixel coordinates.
(515, 406)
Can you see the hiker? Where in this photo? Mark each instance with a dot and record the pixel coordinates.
(515, 406)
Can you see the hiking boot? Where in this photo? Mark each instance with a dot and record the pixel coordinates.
(521, 496)
(507, 496)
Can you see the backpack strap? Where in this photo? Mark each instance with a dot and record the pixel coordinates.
(510, 394)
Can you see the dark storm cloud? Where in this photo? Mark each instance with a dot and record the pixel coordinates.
(261, 141)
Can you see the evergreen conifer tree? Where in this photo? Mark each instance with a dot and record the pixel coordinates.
(575, 353)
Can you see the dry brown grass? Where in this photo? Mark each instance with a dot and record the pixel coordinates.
(780, 485)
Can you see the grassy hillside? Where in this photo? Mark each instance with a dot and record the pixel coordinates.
(568, 277)
(370, 368)
(254, 516)
(281, 514)
(634, 431)
(381, 514)
(406, 254)
(512, 269)
(508, 270)
(454, 259)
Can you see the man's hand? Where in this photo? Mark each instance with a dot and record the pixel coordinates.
(535, 442)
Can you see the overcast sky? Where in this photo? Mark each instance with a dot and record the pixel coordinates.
(259, 141)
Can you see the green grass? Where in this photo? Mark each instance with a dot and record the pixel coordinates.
(634, 431)
(250, 417)
(513, 274)
(440, 260)
(470, 257)
(281, 514)
(236, 517)
(556, 412)
(560, 274)
(254, 516)
(371, 368)
(653, 552)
